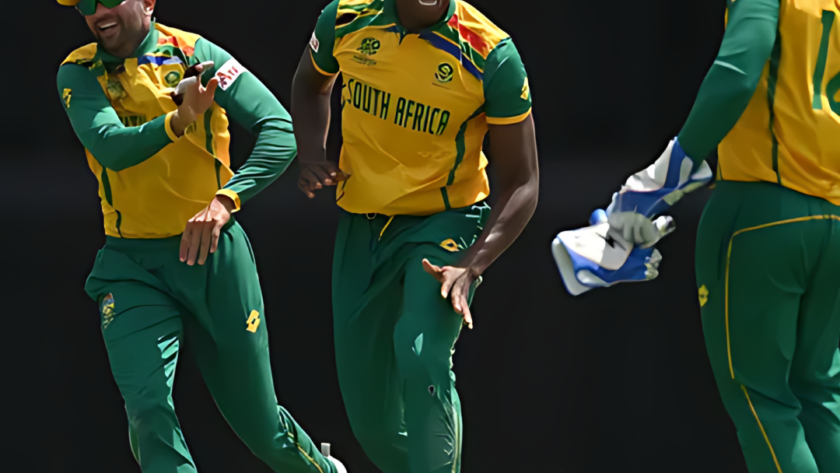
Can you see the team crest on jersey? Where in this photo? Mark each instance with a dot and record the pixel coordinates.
(66, 96)
(444, 73)
(172, 79)
(107, 309)
(115, 88)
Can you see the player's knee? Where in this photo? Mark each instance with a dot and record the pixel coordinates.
(150, 414)
(264, 447)
(419, 357)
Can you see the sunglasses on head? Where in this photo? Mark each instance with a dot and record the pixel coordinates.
(88, 7)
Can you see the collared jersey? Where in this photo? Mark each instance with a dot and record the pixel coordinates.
(152, 182)
(790, 131)
(416, 107)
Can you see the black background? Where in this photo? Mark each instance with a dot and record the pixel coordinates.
(613, 381)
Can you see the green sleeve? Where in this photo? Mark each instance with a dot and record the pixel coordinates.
(507, 95)
(248, 102)
(730, 84)
(323, 40)
(98, 127)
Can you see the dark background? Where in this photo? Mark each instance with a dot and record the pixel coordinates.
(613, 381)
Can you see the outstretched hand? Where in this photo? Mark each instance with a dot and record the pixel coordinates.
(455, 285)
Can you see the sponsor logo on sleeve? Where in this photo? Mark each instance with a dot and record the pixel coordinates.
(229, 72)
(314, 43)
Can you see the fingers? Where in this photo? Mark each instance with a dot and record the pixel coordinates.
(467, 315)
(304, 187)
(214, 238)
(323, 174)
(185, 241)
(196, 228)
(211, 86)
(206, 240)
(201, 67)
(312, 180)
(435, 271)
(460, 292)
(194, 244)
(637, 233)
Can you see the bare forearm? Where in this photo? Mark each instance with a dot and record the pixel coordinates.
(311, 116)
(508, 218)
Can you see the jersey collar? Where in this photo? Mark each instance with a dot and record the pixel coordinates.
(147, 46)
(391, 10)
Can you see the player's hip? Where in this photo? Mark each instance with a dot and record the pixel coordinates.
(155, 263)
(762, 220)
(367, 243)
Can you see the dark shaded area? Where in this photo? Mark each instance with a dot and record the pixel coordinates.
(614, 381)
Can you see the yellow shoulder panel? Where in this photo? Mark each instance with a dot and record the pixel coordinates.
(183, 39)
(481, 29)
(81, 55)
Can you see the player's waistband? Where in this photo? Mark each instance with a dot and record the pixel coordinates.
(150, 244)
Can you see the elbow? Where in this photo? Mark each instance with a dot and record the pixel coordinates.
(112, 163)
(740, 85)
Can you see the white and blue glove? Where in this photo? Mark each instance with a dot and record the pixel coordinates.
(593, 257)
(652, 191)
(618, 245)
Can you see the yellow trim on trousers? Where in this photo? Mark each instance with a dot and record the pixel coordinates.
(760, 426)
(726, 308)
(311, 460)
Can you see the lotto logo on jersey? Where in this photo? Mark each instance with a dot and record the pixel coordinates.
(314, 43)
(229, 72)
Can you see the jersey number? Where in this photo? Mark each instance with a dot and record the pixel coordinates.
(833, 85)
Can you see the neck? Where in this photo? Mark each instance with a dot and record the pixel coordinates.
(130, 46)
(415, 16)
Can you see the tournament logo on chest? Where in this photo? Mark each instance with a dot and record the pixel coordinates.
(369, 47)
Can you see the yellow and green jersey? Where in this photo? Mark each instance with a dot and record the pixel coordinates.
(787, 129)
(416, 106)
(150, 181)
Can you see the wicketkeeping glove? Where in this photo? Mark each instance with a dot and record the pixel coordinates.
(593, 257)
(652, 191)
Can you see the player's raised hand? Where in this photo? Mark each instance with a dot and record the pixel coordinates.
(192, 98)
(201, 237)
(455, 285)
(316, 174)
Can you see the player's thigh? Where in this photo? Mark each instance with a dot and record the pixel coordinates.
(142, 342)
(817, 359)
(429, 326)
(367, 300)
(229, 303)
(229, 335)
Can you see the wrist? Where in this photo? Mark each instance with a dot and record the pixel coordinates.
(227, 202)
(181, 119)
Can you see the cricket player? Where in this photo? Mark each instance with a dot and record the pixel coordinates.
(168, 192)
(423, 82)
(768, 247)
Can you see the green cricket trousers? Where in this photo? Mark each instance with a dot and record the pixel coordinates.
(395, 336)
(149, 302)
(768, 273)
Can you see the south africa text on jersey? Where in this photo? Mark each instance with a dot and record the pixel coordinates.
(405, 112)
